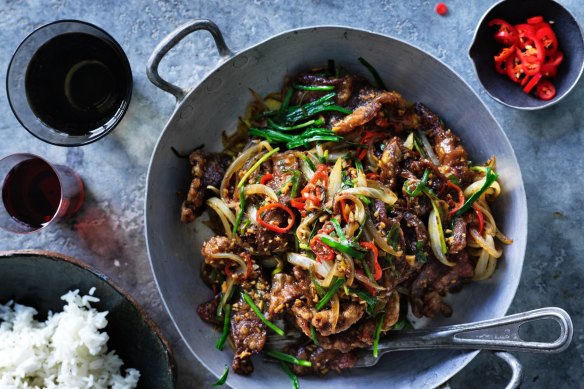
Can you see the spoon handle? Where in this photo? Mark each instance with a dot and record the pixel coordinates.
(495, 334)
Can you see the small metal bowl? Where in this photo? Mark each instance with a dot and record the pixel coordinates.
(39, 278)
(484, 48)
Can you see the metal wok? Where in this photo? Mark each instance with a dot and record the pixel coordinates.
(214, 106)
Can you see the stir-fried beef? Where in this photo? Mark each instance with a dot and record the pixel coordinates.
(435, 280)
(322, 360)
(249, 333)
(208, 310)
(349, 314)
(457, 242)
(392, 269)
(286, 288)
(358, 336)
(207, 169)
(447, 146)
(367, 111)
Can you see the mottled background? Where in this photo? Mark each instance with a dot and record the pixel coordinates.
(108, 232)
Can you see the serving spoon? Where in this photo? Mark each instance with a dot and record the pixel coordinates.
(500, 334)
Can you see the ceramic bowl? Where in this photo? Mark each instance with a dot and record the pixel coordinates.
(484, 48)
(39, 278)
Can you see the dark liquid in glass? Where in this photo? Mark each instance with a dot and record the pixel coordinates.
(31, 192)
(75, 83)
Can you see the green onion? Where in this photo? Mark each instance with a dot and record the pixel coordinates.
(313, 232)
(246, 223)
(333, 289)
(365, 199)
(223, 378)
(309, 162)
(295, 183)
(286, 101)
(313, 122)
(259, 313)
(420, 256)
(342, 247)
(221, 342)
(367, 271)
(453, 178)
(314, 87)
(291, 375)
(374, 73)
(393, 236)
(241, 209)
(287, 358)
(421, 185)
(313, 335)
(377, 336)
(370, 300)
(317, 286)
(358, 164)
(257, 165)
(419, 147)
(490, 177)
(339, 230)
(307, 109)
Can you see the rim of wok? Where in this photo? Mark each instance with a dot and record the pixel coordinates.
(467, 356)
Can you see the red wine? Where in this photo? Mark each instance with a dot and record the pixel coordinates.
(32, 192)
(76, 82)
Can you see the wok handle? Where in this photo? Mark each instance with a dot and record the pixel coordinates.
(170, 41)
(500, 334)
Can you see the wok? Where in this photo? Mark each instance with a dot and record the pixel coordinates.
(214, 106)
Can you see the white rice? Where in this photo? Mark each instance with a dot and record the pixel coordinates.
(67, 351)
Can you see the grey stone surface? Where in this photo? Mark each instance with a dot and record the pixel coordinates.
(108, 232)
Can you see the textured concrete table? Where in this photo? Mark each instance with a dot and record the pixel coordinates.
(108, 232)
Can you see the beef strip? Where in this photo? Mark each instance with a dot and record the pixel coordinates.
(446, 145)
(457, 242)
(349, 314)
(207, 169)
(360, 335)
(248, 332)
(322, 360)
(371, 104)
(435, 281)
(208, 310)
(286, 288)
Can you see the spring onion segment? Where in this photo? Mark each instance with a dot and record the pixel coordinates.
(259, 313)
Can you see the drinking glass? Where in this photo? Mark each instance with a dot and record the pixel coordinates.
(36, 193)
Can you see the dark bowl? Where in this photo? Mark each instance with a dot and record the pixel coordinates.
(39, 278)
(484, 48)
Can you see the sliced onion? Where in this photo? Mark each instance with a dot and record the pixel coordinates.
(328, 279)
(409, 142)
(493, 190)
(214, 190)
(224, 213)
(379, 240)
(481, 265)
(361, 178)
(428, 148)
(385, 195)
(234, 257)
(436, 237)
(261, 189)
(335, 308)
(366, 281)
(487, 243)
(335, 181)
(229, 286)
(503, 238)
(304, 228)
(304, 167)
(350, 271)
(246, 156)
(359, 212)
(322, 269)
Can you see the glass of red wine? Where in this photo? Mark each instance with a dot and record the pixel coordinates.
(69, 83)
(36, 193)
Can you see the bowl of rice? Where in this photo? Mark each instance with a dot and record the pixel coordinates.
(65, 325)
